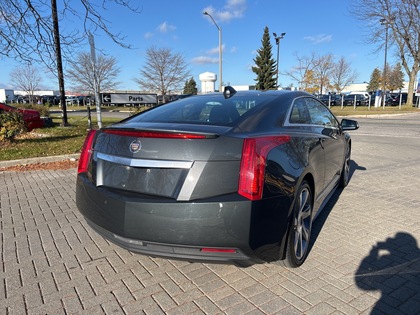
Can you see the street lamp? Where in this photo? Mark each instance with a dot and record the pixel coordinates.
(277, 38)
(220, 50)
(386, 23)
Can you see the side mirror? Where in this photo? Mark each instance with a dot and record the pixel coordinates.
(349, 124)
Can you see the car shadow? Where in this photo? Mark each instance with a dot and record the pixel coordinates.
(323, 215)
(393, 268)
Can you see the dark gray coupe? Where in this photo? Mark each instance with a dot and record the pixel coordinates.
(231, 177)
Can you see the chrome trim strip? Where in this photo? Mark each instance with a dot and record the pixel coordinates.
(144, 163)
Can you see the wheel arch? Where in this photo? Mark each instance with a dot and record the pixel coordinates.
(308, 177)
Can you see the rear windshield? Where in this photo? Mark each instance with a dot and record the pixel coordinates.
(202, 109)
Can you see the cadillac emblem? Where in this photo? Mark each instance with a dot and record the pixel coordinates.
(135, 146)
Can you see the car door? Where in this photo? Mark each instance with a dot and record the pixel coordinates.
(332, 141)
(311, 140)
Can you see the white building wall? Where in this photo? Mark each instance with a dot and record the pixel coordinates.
(6, 95)
(50, 92)
(362, 87)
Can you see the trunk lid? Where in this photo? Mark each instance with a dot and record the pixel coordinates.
(192, 162)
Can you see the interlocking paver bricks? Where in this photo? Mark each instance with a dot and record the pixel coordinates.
(365, 254)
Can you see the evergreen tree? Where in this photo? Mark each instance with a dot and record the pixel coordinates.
(190, 87)
(396, 78)
(265, 65)
(375, 80)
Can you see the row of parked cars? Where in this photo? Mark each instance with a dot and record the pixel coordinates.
(54, 100)
(80, 100)
(361, 99)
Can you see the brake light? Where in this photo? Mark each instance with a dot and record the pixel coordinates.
(154, 134)
(252, 171)
(86, 153)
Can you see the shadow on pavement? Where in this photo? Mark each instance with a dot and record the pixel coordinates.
(323, 216)
(393, 267)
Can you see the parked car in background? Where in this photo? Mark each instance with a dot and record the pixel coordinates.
(372, 99)
(90, 100)
(71, 100)
(31, 117)
(21, 99)
(237, 176)
(359, 99)
(51, 99)
(395, 99)
(330, 99)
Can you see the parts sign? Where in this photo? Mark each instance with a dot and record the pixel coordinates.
(129, 98)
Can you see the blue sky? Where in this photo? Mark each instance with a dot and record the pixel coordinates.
(323, 26)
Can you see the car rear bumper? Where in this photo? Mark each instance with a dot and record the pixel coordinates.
(229, 228)
(34, 124)
(191, 253)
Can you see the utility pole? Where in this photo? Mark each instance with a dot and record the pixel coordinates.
(386, 23)
(59, 62)
(95, 80)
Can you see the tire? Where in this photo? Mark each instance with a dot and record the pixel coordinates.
(345, 173)
(300, 230)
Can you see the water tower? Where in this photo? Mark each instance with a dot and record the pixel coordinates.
(207, 82)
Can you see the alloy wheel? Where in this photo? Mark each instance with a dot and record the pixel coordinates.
(303, 224)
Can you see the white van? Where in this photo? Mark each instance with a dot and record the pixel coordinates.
(366, 94)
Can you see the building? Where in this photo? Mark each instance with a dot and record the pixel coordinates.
(39, 93)
(6, 95)
(362, 87)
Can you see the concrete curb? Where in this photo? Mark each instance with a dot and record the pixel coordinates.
(44, 159)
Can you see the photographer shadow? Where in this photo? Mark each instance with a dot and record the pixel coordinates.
(393, 267)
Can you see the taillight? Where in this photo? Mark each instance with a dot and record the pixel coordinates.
(252, 171)
(154, 134)
(86, 153)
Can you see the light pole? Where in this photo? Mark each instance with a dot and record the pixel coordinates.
(386, 23)
(220, 50)
(277, 38)
(95, 79)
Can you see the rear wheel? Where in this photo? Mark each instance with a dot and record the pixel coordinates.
(345, 173)
(300, 231)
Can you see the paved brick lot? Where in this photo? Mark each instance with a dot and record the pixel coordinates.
(365, 256)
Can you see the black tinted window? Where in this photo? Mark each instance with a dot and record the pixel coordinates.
(320, 115)
(202, 110)
(310, 111)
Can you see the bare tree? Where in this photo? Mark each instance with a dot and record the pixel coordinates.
(27, 79)
(313, 72)
(342, 75)
(164, 71)
(323, 66)
(402, 19)
(299, 73)
(29, 31)
(81, 73)
(26, 28)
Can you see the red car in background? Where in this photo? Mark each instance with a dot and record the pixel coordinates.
(31, 117)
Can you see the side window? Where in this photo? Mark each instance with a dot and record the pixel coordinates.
(300, 113)
(320, 115)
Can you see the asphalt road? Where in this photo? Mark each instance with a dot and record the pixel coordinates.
(364, 257)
